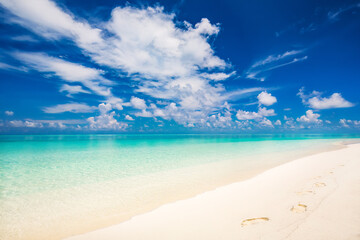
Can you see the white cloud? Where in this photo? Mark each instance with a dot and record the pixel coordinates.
(310, 117)
(266, 123)
(127, 117)
(70, 107)
(62, 121)
(290, 122)
(245, 115)
(50, 21)
(71, 89)
(258, 70)
(24, 38)
(277, 123)
(217, 76)
(275, 58)
(32, 124)
(58, 124)
(334, 15)
(294, 60)
(334, 101)
(106, 120)
(68, 71)
(144, 113)
(170, 60)
(315, 101)
(245, 125)
(149, 42)
(104, 108)
(6, 66)
(9, 113)
(266, 98)
(116, 103)
(266, 112)
(220, 120)
(262, 112)
(349, 123)
(138, 103)
(29, 124)
(344, 122)
(17, 123)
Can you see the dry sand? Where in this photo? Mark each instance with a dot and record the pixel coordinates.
(315, 197)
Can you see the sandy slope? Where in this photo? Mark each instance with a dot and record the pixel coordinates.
(316, 197)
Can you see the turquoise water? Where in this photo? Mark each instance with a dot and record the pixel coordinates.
(39, 163)
(57, 182)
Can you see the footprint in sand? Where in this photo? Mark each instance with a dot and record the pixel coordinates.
(299, 208)
(306, 192)
(319, 184)
(251, 221)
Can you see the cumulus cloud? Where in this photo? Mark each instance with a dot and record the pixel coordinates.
(277, 123)
(266, 99)
(29, 124)
(9, 113)
(266, 123)
(220, 120)
(348, 123)
(116, 103)
(150, 43)
(315, 101)
(289, 122)
(127, 117)
(168, 59)
(262, 112)
(106, 120)
(54, 124)
(310, 117)
(17, 123)
(138, 103)
(70, 107)
(144, 113)
(334, 101)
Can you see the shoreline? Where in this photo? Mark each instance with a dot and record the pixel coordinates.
(101, 205)
(300, 205)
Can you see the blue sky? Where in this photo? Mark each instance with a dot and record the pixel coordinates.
(179, 66)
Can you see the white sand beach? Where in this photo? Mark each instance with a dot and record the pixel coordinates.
(315, 197)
